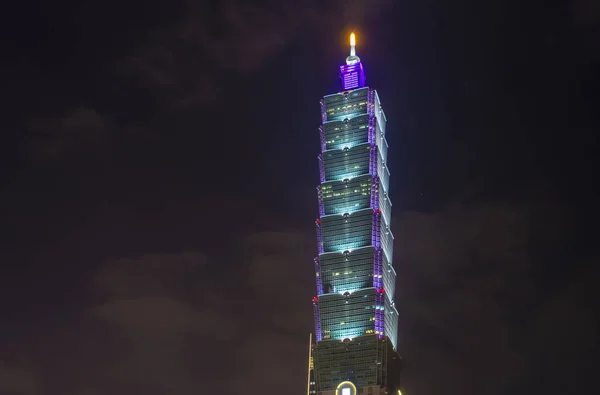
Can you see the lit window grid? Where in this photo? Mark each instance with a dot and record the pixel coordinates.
(347, 133)
(346, 105)
(376, 166)
(347, 272)
(359, 229)
(340, 233)
(339, 197)
(338, 165)
(347, 111)
(346, 164)
(361, 268)
(377, 278)
(361, 361)
(346, 317)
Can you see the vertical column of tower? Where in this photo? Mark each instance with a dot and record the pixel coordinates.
(322, 137)
(318, 275)
(317, 318)
(321, 202)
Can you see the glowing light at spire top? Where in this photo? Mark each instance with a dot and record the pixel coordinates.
(352, 44)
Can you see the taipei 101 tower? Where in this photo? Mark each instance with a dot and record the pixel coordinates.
(356, 321)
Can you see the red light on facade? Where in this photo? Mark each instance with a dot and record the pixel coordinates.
(315, 300)
(378, 211)
(318, 221)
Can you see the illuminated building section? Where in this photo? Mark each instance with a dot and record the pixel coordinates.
(340, 197)
(356, 321)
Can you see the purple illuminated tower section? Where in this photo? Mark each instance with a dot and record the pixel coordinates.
(356, 321)
(352, 73)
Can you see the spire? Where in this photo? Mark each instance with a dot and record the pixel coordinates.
(352, 73)
(352, 59)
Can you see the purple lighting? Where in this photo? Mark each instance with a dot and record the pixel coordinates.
(317, 319)
(375, 193)
(377, 269)
(321, 202)
(379, 312)
(319, 280)
(371, 103)
(376, 229)
(352, 76)
(352, 73)
(322, 135)
(323, 111)
(322, 168)
(372, 129)
(320, 245)
(373, 161)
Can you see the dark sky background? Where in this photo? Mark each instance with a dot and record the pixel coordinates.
(158, 191)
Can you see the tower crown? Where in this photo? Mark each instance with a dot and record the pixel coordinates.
(352, 59)
(352, 73)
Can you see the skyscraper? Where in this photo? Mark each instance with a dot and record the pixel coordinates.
(356, 321)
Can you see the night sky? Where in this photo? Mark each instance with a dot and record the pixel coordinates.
(157, 191)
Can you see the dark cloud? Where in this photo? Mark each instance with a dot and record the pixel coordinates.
(179, 322)
(471, 295)
(242, 36)
(149, 275)
(149, 68)
(280, 313)
(173, 74)
(586, 12)
(17, 380)
(80, 132)
(217, 41)
(457, 269)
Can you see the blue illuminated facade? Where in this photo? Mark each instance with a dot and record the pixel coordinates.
(356, 321)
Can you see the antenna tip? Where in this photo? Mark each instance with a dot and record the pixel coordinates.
(352, 39)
